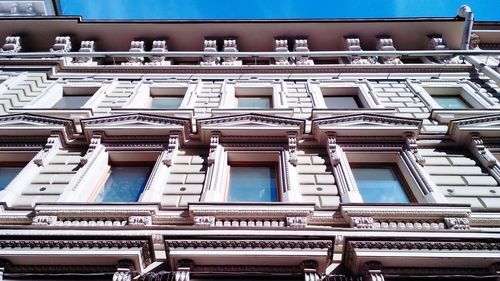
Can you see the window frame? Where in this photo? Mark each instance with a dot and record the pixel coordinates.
(218, 189)
(142, 98)
(415, 177)
(362, 90)
(11, 164)
(274, 90)
(56, 92)
(399, 176)
(273, 165)
(123, 164)
(479, 100)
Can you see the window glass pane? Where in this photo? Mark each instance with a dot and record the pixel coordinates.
(124, 184)
(379, 185)
(166, 102)
(452, 102)
(254, 102)
(347, 102)
(252, 184)
(7, 174)
(71, 102)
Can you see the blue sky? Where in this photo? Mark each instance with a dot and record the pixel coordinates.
(485, 10)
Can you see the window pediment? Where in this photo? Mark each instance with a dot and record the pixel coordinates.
(486, 126)
(365, 125)
(141, 124)
(26, 124)
(255, 125)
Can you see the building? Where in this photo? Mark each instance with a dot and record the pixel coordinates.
(250, 150)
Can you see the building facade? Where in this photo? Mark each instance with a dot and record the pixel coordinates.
(250, 150)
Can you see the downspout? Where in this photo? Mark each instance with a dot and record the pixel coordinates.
(490, 72)
(465, 12)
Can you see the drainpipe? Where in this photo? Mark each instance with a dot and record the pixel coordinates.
(482, 67)
(465, 12)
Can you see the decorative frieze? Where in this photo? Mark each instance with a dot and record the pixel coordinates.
(139, 220)
(411, 218)
(44, 220)
(361, 222)
(204, 220)
(457, 223)
(299, 222)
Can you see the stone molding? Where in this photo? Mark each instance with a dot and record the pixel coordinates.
(135, 121)
(407, 217)
(248, 244)
(32, 243)
(242, 215)
(31, 123)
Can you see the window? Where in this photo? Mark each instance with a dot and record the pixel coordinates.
(342, 102)
(380, 184)
(342, 97)
(254, 102)
(256, 98)
(124, 184)
(74, 97)
(252, 184)
(166, 102)
(452, 102)
(7, 174)
(166, 98)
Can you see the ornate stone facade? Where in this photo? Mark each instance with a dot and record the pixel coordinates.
(413, 103)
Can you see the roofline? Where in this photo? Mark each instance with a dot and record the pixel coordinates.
(205, 21)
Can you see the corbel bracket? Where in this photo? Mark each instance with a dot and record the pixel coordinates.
(411, 145)
(214, 143)
(292, 147)
(171, 149)
(331, 147)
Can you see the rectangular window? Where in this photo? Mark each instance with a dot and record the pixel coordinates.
(452, 102)
(342, 97)
(70, 102)
(342, 102)
(166, 97)
(252, 184)
(253, 97)
(166, 102)
(75, 97)
(380, 184)
(124, 184)
(7, 174)
(254, 102)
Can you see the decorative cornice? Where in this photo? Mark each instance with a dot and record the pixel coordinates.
(250, 244)
(82, 244)
(425, 245)
(368, 118)
(112, 122)
(30, 122)
(259, 119)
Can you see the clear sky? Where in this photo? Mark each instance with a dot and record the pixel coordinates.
(484, 10)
